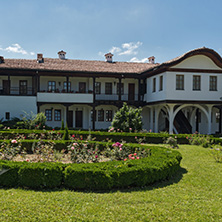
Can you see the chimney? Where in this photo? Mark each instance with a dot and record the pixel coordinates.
(2, 60)
(62, 54)
(151, 59)
(109, 57)
(40, 58)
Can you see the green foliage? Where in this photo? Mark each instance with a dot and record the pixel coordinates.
(31, 120)
(62, 125)
(127, 119)
(83, 152)
(66, 134)
(198, 139)
(40, 175)
(217, 153)
(172, 142)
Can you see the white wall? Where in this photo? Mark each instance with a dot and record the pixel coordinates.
(16, 105)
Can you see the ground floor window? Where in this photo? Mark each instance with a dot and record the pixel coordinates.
(48, 114)
(101, 115)
(109, 115)
(57, 116)
(92, 115)
(7, 115)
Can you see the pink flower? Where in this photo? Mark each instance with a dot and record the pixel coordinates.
(72, 148)
(137, 157)
(73, 135)
(96, 156)
(135, 154)
(120, 149)
(133, 158)
(74, 144)
(125, 159)
(187, 137)
(27, 160)
(135, 137)
(14, 141)
(130, 129)
(150, 130)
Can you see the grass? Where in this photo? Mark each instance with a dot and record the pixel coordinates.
(195, 194)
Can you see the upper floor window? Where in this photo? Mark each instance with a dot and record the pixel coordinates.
(98, 87)
(122, 89)
(108, 88)
(57, 115)
(154, 84)
(48, 114)
(161, 83)
(179, 82)
(213, 83)
(82, 87)
(65, 86)
(23, 87)
(51, 86)
(196, 82)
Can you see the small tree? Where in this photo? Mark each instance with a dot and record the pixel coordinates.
(127, 119)
(62, 126)
(66, 133)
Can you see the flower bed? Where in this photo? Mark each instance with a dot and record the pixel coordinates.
(160, 165)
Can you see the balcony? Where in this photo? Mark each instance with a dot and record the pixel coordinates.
(62, 97)
(16, 91)
(115, 97)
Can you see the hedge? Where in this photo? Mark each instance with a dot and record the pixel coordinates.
(102, 136)
(162, 164)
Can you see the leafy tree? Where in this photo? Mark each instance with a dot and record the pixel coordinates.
(127, 119)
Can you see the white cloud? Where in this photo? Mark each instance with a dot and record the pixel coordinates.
(134, 59)
(115, 49)
(130, 48)
(16, 48)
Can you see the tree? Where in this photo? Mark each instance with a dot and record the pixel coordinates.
(127, 119)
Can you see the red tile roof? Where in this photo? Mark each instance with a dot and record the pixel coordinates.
(77, 65)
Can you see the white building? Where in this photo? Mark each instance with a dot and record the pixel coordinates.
(182, 95)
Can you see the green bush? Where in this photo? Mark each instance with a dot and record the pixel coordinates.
(127, 119)
(40, 175)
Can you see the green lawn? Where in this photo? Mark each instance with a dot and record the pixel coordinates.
(195, 194)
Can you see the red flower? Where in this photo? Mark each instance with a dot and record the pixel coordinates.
(125, 159)
(53, 129)
(96, 156)
(134, 154)
(73, 135)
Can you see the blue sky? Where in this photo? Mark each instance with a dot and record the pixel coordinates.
(87, 29)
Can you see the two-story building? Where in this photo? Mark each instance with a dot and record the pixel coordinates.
(182, 95)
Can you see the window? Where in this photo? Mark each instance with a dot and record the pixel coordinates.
(48, 114)
(217, 117)
(82, 87)
(161, 83)
(109, 115)
(23, 87)
(101, 115)
(179, 82)
(92, 115)
(7, 115)
(122, 89)
(196, 82)
(154, 84)
(65, 86)
(98, 87)
(57, 115)
(213, 83)
(51, 86)
(108, 88)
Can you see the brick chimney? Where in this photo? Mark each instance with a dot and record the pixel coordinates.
(109, 57)
(151, 59)
(40, 58)
(2, 60)
(62, 54)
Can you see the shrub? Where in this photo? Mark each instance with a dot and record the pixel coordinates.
(172, 142)
(40, 175)
(66, 134)
(127, 119)
(198, 139)
(217, 153)
(62, 125)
